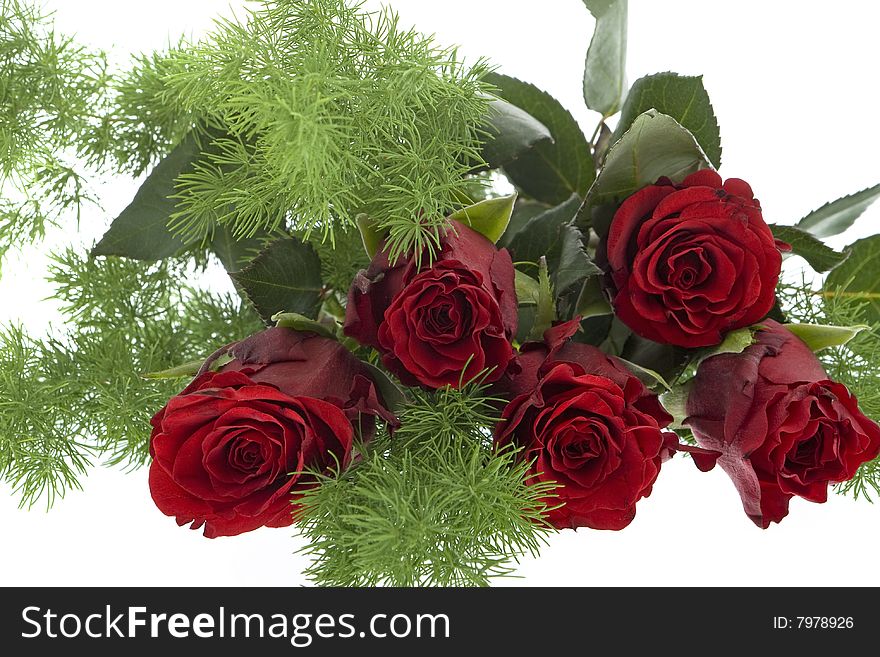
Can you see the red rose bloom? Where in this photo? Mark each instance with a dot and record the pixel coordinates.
(687, 263)
(441, 324)
(588, 424)
(230, 449)
(782, 428)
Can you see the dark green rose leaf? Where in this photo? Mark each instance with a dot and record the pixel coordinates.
(551, 234)
(857, 277)
(591, 301)
(574, 264)
(285, 277)
(523, 211)
(835, 217)
(682, 97)
(818, 255)
(512, 131)
(550, 171)
(594, 330)
(141, 229)
(235, 253)
(605, 69)
(655, 145)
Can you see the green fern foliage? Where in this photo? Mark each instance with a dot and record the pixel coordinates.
(50, 88)
(71, 399)
(431, 505)
(329, 111)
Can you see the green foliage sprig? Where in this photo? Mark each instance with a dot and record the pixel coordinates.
(140, 121)
(49, 90)
(432, 505)
(329, 111)
(70, 399)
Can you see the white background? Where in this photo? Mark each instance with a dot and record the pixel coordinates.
(794, 86)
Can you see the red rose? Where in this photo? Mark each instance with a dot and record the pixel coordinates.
(440, 324)
(586, 423)
(782, 428)
(689, 262)
(230, 449)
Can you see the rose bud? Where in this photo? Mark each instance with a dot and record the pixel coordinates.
(782, 428)
(230, 451)
(686, 263)
(442, 323)
(587, 423)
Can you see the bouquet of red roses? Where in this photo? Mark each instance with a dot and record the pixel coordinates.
(465, 324)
